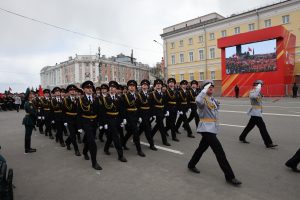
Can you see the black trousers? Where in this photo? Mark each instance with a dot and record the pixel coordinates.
(133, 130)
(171, 121)
(28, 133)
(40, 124)
(145, 126)
(72, 137)
(295, 160)
(113, 136)
(160, 126)
(47, 124)
(17, 107)
(59, 125)
(90, 145)
(186, 125)
(211, 140)
(258, 121)
(194, 115)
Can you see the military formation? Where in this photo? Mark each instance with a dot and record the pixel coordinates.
(75, 116)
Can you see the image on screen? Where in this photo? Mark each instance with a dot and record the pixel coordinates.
(252, 57)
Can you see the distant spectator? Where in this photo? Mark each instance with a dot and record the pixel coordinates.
(295, 90)
(17, 102)
(237, 91)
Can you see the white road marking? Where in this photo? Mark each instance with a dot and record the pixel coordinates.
(272, 114)
(232, 125)
(266, 106)
(164, 148)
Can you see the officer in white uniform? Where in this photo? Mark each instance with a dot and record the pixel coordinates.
(209, 128)
(256, 116)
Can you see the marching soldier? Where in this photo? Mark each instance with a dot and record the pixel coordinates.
(78, 96)
(172, 104)
(256, 116)
(64, 94)
(130, 107)
(145, 113)
(70, 111)
(87, 120)
(209, 128)
(294, 161)
(103, 93)
(112, 119)
(157, 101)
(40, 114)
(57, 115)
(46, 106)
(29, 120)
(193, 93)
(183, 108)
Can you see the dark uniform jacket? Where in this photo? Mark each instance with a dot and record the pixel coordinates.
(70, 109)
(192, 97)
(30, 117)
(183, 101)
(157, 103)
(171, 100)
(57, 110)
(144, 109)
(129, 106)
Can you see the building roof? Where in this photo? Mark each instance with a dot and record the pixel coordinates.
(213, 18)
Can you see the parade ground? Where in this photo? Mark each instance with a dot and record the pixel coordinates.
(53, 172)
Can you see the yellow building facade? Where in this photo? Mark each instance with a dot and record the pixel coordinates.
(190, 48)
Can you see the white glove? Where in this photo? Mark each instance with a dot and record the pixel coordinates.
(189, 110)
(43, 117)
(206, 87)
(258, 87)
(122, 125)
(124, 121)
(80, 130)
(167, 114)
(140, 120)
(52, 122)
(100, 127)
(65, 124)
(154, 117)
(105, 126)
(180, 113)
(39, 117)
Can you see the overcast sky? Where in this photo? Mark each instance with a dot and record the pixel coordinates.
(26, 46)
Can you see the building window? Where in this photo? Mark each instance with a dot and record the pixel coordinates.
(201, 76)
(181, 77)
(191, 55)
(212, 53)
(211, 36)
(201, 38)
(173, 59)
(224, 33)
(201, 54)
(285, 19)
(106, 78)
(213, 75)
(251, 27)
(181, 43)
(268, 23)
(172, 45)
(236, 30)
(190, 41)
(181, 57)
(191, 76)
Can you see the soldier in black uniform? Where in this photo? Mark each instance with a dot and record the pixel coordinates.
(145, 113)
(57, 115)
(39, 106)
(103, 93)
(63, 94)
(70, 110)
(87, 121)
(130, 114)
(112, 119)
(193, 93)
(171, 105)
(29, 120)
(78, 96)
(46, 106)
(157, 101)
(183, 108)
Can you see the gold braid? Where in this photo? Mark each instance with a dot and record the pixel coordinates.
(209, 104)
(66, 104)
(154, 96)
(143, 102)
(56, 106)
(84, 107)
(132, 103)
(193, 98)
(171, 96)
(108, 107)
(183, 98)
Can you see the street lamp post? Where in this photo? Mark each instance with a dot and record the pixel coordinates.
(100, 65)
